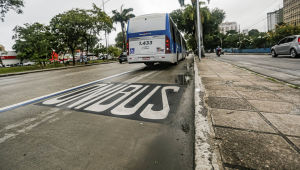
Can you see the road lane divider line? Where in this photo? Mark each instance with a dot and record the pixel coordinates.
(34, 100)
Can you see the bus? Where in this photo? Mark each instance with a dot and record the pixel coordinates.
(154, 38)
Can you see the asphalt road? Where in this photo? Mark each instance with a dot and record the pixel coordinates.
(114, 116)
(282, 68)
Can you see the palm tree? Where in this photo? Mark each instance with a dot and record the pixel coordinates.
(122, 17)
(181, 2)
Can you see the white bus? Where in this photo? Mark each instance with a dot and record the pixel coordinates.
(154, 38)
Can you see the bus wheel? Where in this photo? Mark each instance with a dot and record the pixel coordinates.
(177, 56)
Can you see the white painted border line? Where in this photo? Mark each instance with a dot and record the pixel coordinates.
(14, 106)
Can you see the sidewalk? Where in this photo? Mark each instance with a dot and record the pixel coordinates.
(256, 121)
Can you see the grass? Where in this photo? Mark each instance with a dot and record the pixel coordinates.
(7, 70)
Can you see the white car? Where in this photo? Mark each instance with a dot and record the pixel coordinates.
(29, 63)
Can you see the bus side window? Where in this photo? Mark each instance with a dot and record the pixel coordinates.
(172, 34)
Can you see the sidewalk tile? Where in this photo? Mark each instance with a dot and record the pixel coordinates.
(228, 103)
(250, 88)
(257, 151)
(290, 96)
(296, 141)
(272, 106)
(287, 124)
(222, 93)
(240, 119)
(259, 95)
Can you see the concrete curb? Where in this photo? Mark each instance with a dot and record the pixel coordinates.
(205, 157)
(52, 69)
(247, 54)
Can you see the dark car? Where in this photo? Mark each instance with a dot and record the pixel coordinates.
(122, 58)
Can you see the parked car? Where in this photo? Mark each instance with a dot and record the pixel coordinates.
(122, 58)
(288, 46)
(29, 63)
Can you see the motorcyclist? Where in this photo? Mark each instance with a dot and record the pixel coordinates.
(218, 50)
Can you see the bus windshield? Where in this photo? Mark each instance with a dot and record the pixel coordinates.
(147, 23)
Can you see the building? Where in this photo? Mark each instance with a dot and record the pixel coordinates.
(228, 26)
(274, 18)
(9, 58)
(291, 12)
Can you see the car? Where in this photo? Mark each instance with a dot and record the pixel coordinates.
(29, 63)
(287, 46)
(122, 58)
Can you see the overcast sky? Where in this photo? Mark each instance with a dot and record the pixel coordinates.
(248, 13)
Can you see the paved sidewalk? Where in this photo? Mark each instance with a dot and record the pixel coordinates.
(256, 121)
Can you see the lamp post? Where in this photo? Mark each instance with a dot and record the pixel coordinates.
(106, 40)
(199, 28)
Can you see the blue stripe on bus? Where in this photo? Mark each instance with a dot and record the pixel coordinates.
(147, 33)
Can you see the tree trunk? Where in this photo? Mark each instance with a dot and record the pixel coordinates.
(124, 38)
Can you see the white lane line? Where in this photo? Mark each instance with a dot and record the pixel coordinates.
(14, 106)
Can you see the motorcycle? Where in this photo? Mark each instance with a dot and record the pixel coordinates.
(219, 51)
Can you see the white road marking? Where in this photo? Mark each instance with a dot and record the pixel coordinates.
(10, 107)
(90, 99)
(60, 100)
(122, 110)
(98, 107)
(14, 129)
(148, 113)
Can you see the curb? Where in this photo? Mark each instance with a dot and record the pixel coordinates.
(205, 155)
(51, 69)
(247, 54)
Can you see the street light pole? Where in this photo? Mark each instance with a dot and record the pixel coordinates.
(103, 3)
(199, 28)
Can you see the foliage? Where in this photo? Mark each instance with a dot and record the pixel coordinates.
(253, 33)
(122, 17)
(7, 5)
(282, 31)
(33, 42)
(78, 28)
(114, 51)
(119, 40)
(185, 21)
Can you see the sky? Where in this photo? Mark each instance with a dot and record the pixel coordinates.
(249, 14)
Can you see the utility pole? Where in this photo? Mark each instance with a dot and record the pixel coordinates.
(199, 28)
(106, 41)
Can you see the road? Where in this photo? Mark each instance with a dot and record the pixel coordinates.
(282, 68)
(113, 116)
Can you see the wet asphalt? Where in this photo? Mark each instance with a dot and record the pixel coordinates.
(283, 68)
(143, 118)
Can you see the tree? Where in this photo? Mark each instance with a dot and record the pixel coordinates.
(122, 17)
(33, 42)
(185, 21)
(6, 5)
(119, 40)
(114, 51)
(72, 29)
(253, 33)
(98, 21)
(282, 31)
